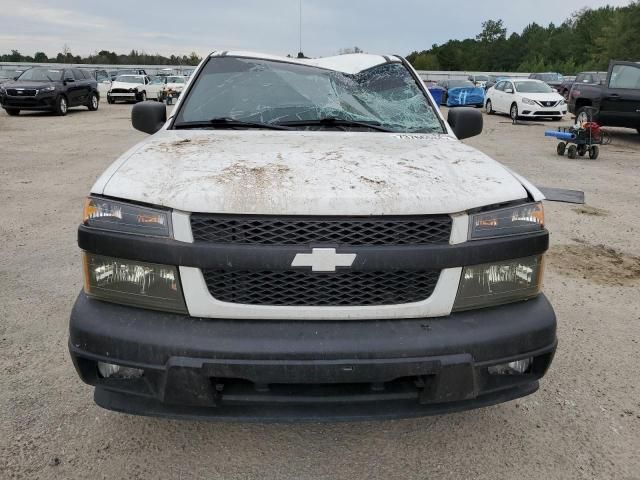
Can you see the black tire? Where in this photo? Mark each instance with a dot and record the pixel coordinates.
(110, 100)
(93, 103)
(489, 107)
(513, 112)
(14, 112)
(638, 129)
(582, 150)
(61, 106)
(560, 149)
(444, 99)
(142, 96)
(594, 151)
(572, 152)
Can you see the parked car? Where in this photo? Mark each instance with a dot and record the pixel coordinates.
(130, 71)
(102, 77)
(587, 78)
(52, 89)
(565, 86)
(451, 84)
(553, 79)
(525, 98)
(129, 88)
(614, 102)
(478, 80)
(162, 86)
(321, 248)
(493, 79)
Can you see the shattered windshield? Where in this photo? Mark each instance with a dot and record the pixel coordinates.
(256, 90)
(42, 75)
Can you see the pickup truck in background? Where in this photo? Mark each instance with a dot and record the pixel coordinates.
(613, 102)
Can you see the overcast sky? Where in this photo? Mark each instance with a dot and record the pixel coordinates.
(182, 26)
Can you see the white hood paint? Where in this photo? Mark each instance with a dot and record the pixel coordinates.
(308, 173)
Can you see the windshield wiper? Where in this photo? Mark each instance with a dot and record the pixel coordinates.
(336, 122)
(226, 122)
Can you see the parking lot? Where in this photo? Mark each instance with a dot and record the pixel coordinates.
(584, 422)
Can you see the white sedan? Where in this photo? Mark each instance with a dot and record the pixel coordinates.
(160, 85)
(525, 99)
(129, 87)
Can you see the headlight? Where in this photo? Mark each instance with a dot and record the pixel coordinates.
(528, 101)
(498, 283)
(48, 89)
(126, 217)
(2, 91)
(562, 102)
(138, 284)
(526, 218)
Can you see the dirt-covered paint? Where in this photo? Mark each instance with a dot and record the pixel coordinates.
(311, 173)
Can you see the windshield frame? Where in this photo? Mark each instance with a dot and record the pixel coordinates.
(401, 60)
(532, 82)
(137, 77)
(48, 69)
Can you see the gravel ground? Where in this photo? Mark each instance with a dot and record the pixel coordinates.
(583, 423)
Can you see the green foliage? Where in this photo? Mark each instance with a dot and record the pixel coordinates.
(134, 57)
(587, 40)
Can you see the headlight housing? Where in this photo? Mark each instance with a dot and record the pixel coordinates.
(129, 282)
(562, 102)
(48, 89)
(527, 218)
(528, 101)
(498, 283)
(124, 217)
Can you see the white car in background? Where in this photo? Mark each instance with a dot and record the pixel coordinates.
(525, 98)
(161, 85)
(129, 88)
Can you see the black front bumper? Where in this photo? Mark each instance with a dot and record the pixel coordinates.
(275, 370)
(42, 101)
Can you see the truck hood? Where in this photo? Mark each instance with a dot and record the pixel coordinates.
(308, 173)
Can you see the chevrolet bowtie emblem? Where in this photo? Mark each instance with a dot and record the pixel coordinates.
(323, 260)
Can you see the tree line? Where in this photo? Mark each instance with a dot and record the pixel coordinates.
(135, 57)
(587, 40)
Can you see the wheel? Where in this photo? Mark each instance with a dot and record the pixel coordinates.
(561, 148)
(582, 150)
(583, 115)
(573, 152)
(638, 129)
(110, 100)
(444, 99)
(594, 151)
(489, 107)
(61, 106)
(12, 111)
(142, 97)
(513, 113)
(93, 103)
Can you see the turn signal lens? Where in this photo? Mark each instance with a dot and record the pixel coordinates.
(507, 221)
(126, 217)
(498, 283)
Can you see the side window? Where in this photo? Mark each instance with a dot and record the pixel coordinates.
(580, 78)
(101, 76)
(78, 74)
(68, 75)
(500, 86)
(625, 76)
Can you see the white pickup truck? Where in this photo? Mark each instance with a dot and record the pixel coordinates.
(309, 239)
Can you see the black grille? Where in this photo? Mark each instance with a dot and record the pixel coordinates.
(120, 90)
(21, 93)
(261, 230)
(343, 288)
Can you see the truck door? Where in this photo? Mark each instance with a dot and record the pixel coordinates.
(620, 105)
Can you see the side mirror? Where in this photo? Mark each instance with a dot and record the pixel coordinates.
(69, 80)
(149, 116)
(508, 90)
(465, 122)
(16, 77)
